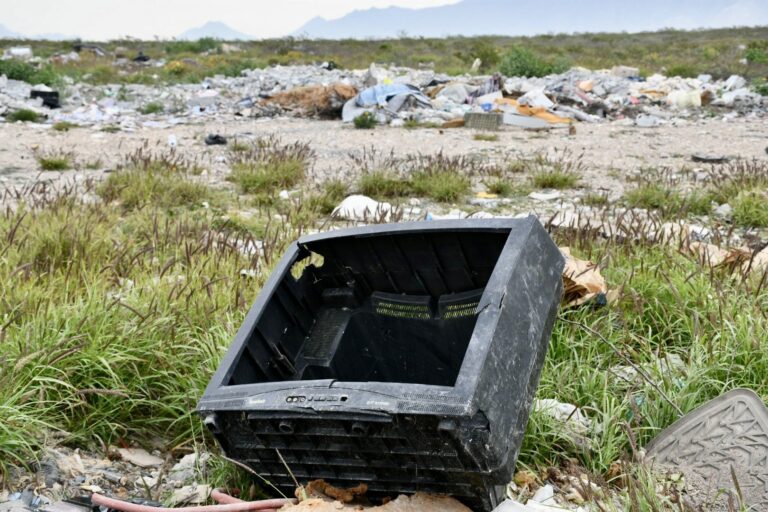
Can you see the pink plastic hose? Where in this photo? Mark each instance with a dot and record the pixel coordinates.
(239, 506)
(222, 497)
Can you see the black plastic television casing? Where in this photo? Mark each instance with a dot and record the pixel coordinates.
(408, 359)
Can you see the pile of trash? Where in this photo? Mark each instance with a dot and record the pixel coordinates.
(394, 96)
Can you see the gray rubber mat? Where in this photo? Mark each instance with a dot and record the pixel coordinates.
(730, 431)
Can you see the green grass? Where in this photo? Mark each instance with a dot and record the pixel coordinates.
(365, 121)
(499, 187)
(23, 115)
(238, 147)
(160, 180)
(152, 108)
(486, 137)
(523, 61)
(441, 185)
(750, 208)
(716, 52)
(55, 161)
(554, 179)
(107, 305)
(595, 200)
(560, 170)
(63, 126)
(652, 196)
(382, 184)
(93, 165)
(268, 166)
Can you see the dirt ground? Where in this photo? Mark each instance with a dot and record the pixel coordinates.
(611, 152)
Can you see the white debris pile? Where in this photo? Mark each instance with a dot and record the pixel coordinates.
(396, 95)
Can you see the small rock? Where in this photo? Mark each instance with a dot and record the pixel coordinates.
(648, 121)
(724, 211)
(545, 495)
(574, 496)
(545, 196)
(145, 482)
(139, 457)
(192, 494)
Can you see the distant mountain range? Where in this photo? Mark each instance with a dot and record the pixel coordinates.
(6, 33)
(531, 17)
(216, 30)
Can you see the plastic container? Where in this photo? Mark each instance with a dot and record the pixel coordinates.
(405, 356)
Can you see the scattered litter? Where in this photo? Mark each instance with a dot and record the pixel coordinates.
(191, 495)
(709, 159)
(723, 440)
(545, 196)
(420, 502)
(315, 100)
(362, 208)
(50, 97)
(582, 281)
(214, 139)
(568, 414)
(392, 94)
(483, 121)
(18, 52)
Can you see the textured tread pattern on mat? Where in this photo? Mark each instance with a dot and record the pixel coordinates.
(730, 431)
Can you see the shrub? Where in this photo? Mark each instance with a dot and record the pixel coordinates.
(556, 179)
(520, 61)
(152, 108)
(18, 70)
(23, 115)
(63, 126)
(202, 45)
(488, 54)
(365, 121)
(55, 161)
(651, 196)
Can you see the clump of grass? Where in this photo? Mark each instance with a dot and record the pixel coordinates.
(94, 165)
(446, 186)
(595, 200)
(147, 179)
(652, 196)
(750, 208)
(334, 191)
(54, 161)
(499, 187)
(555, 179)
(365, 121)
(152, 107)
(64, 126)
(560, 171)
(268, 165)
(110, 309)
(486, 137)
(23, 115)
(238, 147)
(384, 184)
